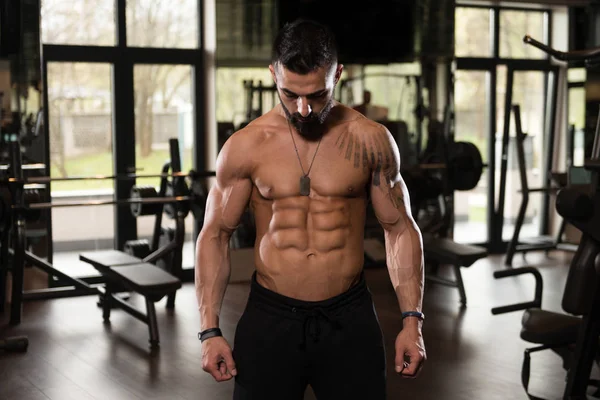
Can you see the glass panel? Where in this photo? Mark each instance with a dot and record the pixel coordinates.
(163, 110)
(160, 23)
(529, 94)
(514, 25)
(577, 107)
(80, 135)
(577, 118)
(472, 125)
(576, 74)
(78, 22)
(577, 113)
(473, 32)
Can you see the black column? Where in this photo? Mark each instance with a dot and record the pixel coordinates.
(123, 131)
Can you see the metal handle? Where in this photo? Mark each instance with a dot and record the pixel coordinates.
(539, 285)
(576, 55)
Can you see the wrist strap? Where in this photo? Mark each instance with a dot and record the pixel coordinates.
(417, 314)
(208, 333)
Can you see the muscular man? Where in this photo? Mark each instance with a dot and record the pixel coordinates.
(307, 170)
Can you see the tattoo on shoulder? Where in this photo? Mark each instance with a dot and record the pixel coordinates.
(349, 148)
(370, 152)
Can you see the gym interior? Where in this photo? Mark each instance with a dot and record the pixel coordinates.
(114, 111)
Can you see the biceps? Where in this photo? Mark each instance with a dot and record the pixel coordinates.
(225, 205)
(391, 204)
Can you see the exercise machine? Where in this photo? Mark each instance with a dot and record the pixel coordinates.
(545, 243)
(548, 134)
(121, 271)
(574, 333)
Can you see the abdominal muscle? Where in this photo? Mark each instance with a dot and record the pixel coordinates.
(309, 249)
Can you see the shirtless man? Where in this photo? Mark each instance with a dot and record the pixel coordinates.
(307, 170)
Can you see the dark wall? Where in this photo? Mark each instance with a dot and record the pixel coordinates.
(20, 38)
(10, 27)
(375, 32)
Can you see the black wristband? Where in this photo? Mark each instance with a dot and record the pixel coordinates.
(417, 314)
(208, 333)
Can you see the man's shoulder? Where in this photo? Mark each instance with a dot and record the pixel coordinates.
(247, 137)
(358, 123)
(242, 149)
(355, 119)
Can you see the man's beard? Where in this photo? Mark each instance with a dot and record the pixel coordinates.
(313, 126)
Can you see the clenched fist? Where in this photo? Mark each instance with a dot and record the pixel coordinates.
(217, 359)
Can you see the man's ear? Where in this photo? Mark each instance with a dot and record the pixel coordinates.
(338, 72)
(273, 75)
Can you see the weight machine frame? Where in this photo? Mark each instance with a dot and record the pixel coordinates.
(549, 135)
(545, 243)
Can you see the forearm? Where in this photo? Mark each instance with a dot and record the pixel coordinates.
(211, 276)
(405, 265)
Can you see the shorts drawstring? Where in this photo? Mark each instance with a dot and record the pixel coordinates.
(311, 319)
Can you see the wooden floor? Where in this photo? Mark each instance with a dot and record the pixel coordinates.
(472, 354)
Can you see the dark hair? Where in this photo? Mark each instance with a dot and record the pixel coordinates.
(304, 45)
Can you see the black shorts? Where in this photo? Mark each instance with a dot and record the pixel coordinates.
(336, 345)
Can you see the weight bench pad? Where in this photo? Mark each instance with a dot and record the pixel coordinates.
(447, 251)
(547, 327)
(144, 278)
(110, 258)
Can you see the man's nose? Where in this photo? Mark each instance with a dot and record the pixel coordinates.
(304, 108)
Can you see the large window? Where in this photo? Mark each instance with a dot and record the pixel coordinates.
(489, 43)
(113, 107)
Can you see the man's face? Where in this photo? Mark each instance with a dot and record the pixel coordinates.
(306, 99)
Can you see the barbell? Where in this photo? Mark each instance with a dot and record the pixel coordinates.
(47, 179)
(121, 202)
(143, 200)
(463, 169)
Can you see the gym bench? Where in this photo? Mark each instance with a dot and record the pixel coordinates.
(124, 272)
(445, 251)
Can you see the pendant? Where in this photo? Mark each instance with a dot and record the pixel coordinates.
(304, 185)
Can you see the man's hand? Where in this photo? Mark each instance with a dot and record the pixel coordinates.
(410, 352)
(217, 359)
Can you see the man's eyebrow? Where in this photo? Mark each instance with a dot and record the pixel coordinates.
(314, 94)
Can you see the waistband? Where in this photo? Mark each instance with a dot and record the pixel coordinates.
(311, 313)
(261, 294)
